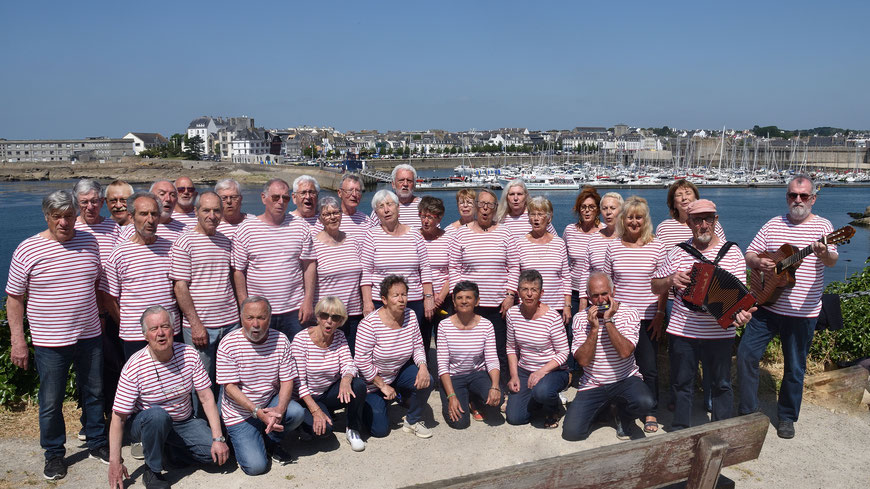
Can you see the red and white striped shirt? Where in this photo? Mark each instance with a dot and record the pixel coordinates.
(312, 221)
(631, 270)
(685, 322)
(409, 215)
(338, 273)
(256, 369)
(229, 230)
(804, 299)
(204, 263)
(551, 261)
(383, 351)
(106, 233)
(576, 241)
(319, 367)
(520, 226)
(355, 226)
(489, 259)
(607, 367)
(59, 280)
(187, 218)
(439, 260)
(536, 341)
(146, 382)
(382, 254)
(171, 230)
(138, 275)
(272, 258)
(462, 351)
(593, 261)
(670, 232)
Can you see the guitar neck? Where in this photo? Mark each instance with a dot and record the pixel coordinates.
(797, 257)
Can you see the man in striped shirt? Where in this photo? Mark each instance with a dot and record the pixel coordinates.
(404, 182)
(57, 270)
(607, 357)
(155, 388)
(305, 194)
(353, 222)
(184, 207)
(117, 194)
(793, 316)
(230, 193)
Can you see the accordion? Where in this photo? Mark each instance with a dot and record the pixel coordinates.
(717, 292)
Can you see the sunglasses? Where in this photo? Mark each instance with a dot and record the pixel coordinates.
(795, 195)
(186, 189)
(276, 198)
(336, 318)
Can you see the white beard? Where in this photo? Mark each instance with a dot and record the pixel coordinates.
(799, 212)
(704, 238)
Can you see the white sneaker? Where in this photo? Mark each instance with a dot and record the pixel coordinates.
(356, 443)
(417, 428)
(563, 398)
(137, 451)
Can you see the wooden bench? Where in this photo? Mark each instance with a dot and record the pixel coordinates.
(696, 454)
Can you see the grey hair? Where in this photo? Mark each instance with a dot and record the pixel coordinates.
(131, 200)
(253, 299)
(199, 197)
(305, 178)
(86, 186)
(328, 201)
(151, 188)
(403, 166)
(803, 177)
(614, 195)
(59, 200)
(502, 209)
(226, 184)
(383, 194)
(353, 177)
(273, 181)
(594, 275)
(118, 183)
(155, 310)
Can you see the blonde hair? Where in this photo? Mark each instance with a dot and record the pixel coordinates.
(540, 203)
(635, 205)
(466, 193)
(331, 305)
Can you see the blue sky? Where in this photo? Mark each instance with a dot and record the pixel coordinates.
(78, 69)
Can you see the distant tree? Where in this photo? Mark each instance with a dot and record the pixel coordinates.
(664, 131)
(194, 147)
(416, 137)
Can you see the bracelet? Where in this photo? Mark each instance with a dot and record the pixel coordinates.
(316, 410)
(256, 409)
(495, 389)
(451, 395)
(427, 295)
(510, 293)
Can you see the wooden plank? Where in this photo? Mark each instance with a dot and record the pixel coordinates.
(843, 386)
(707, 463)
(649, 462)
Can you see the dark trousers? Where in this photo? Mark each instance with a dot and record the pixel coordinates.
(685, 354)
(329, 402)
(543, 396)
(113, 362)
(499, 326)
(631, 395)
(705, 379)
(474, 385)
(188, 440)
(375, 409)
(646, 353)
(287, 323)
(796, 335)
(349, 330)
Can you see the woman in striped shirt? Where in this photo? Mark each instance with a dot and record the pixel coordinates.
(596, 245)
(630, 261)
(467, 360)
(436, 239)
(547, 254)
(338, 266)
(537, 349)
(465, 199)
(390, 357)
(395, 248)
(512, 212)
(327, 374)
(576, 237)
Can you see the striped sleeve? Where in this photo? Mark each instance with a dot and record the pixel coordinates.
(512, 257)
(417, 338)
(300, 358)
(423, 253)
(442, 348)
(365, 345)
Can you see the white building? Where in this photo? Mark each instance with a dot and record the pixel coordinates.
(146, 140)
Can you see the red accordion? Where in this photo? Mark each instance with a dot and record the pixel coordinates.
(717, 292)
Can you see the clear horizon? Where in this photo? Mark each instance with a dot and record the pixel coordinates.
(105, 69)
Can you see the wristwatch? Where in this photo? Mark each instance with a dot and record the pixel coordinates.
(220, 439)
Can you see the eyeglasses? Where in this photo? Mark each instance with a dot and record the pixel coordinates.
(466, 202)
(336, 318)
(485, 205)
(93, 202)
(330, 214)
(231, 198)
(186, 189)
(276, 198)
(306, 192)
(353, 191)
(588, 207)
(699, 220)
(795, 195)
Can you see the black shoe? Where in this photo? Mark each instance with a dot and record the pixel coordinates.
(620, 429)
(785, 429)
(280, 456)
(55, 469)
(101, 454)
(155, 480)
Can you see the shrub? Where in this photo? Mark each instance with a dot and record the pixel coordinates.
(853, 341)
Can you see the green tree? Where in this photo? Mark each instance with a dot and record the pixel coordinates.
(194, 147)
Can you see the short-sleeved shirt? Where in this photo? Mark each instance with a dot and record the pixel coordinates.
(229, 230)
(355, 225)
(536, 341)
(439, 260)
(607, 366)
(575, 242)
(631, 270)
(318, 367)
(383, 351)
(383, 254)
(593, 259)
(804, 299)
(338, 273)
(170, 230)
(106, 233)
(462, 351)
(698, 324)
(146, 382)
(489, 259)
(520, 226)
(256, 369)
(204, 263)
(187, 218)
(138, 275)
(60, 281)
(409, 214)
(271, 257)
(551, 261)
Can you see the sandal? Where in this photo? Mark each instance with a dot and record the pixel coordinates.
(650, 426)
(551, 422)
(475, 414)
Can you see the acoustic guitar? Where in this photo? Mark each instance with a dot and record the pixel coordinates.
(767, 287)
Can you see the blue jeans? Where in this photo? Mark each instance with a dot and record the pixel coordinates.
(208, 355)
(544, 395)
(248, 442)
(329, 402)
(52, 365)
(187, 441)
(716, 354)
(631, 392)
(349, 329)
(287, 323)
(475, 384)
(796, 335)
(375, 410)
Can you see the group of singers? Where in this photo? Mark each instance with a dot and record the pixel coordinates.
(188, 320)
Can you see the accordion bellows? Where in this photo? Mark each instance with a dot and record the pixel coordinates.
(717, 292)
